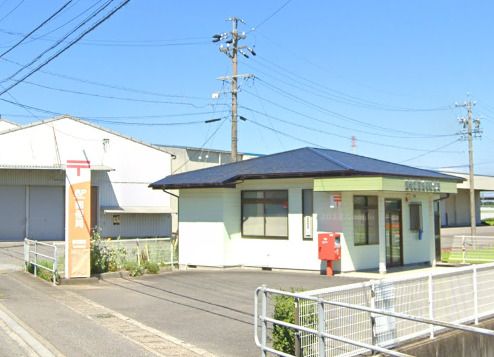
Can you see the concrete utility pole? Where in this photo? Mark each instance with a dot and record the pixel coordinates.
(471, 129)
(232, 49)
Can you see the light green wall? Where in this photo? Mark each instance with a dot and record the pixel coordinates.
(378, 183)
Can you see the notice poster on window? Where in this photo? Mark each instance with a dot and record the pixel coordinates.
(77, 219)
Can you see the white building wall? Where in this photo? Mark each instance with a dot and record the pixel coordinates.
(133, 167)
(210, 229)
(201, 227)
(455, 210)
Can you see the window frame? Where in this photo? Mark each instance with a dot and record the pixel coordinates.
(263, 201)
(366, 208)
(419, 218)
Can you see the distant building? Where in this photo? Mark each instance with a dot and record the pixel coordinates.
(33, 160)
(186, 158)
(455, 209)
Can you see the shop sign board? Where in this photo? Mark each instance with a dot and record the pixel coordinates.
(77, 219)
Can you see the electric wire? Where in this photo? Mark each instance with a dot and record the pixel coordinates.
(409, 136)
(102, 120)
(273, 14)
(78, 38)
(325, 132)
(57, 43)
(129, 99)
(323, 92)
(208, 139)
(36, 28)
(333, 113)
(106, 85)
(11, 11)
(436, 150)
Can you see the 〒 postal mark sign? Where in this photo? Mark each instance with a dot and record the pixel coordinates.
(77, 218)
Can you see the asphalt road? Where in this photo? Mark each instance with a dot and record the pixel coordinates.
(212, 310)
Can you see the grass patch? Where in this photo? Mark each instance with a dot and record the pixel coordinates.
(474, 256)
(43, 273)
(489, 221)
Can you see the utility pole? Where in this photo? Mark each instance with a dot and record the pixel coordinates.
(232, 49)
(470, 130)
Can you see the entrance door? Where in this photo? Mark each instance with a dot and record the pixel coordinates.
(394, 256)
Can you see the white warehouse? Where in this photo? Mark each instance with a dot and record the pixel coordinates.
(33, 159)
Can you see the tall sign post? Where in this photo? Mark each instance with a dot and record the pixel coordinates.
(77, 219)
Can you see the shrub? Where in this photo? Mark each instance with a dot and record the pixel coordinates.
(103, 257)
(134, 269)
(152, 268)
(284, 337)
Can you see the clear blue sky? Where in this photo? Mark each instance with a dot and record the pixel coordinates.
(327, 70)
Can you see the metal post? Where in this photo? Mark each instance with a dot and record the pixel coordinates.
(264, 325)
(298, 342)
(35, 258)
(372, 316)
(475, 296)
(138, 252)
(321, 327)
(463, 249)
(172, 263)
(431, 304)
(26, 254)
(234, 88)
(55, 264)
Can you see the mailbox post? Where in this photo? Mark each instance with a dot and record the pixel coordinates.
(329, 250)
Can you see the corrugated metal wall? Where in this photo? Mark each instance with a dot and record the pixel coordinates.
(136, 225)
(12, 212)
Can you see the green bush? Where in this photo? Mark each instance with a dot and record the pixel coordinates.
(103, 257)
(284, 337)
(134, 269)
(152, 268)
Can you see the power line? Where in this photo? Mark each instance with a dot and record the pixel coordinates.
(209, 138)
(430, 151)
(333, 114)
(321, 91)
(36, 29)
(78, 38)
(271, 15)
(325, 132)
(140, 117)
(106, 85)
(11, 11)
(57, 43)
(103, 120)
(129, 99)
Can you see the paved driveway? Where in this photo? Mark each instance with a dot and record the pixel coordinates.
(212, 310)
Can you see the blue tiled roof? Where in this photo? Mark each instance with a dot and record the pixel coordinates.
(304, 162)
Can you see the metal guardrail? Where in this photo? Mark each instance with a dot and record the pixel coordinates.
(321, 334)
(386, 313)
(31, 254)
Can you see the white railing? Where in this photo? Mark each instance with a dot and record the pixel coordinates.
(462, 295)
(319, 331)
(468, 249)
(35, 252)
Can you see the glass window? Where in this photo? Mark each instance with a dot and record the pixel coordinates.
(265, 214)
(415, 216)
(365, 220)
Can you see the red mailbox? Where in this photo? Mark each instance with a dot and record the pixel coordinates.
(329, 249)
